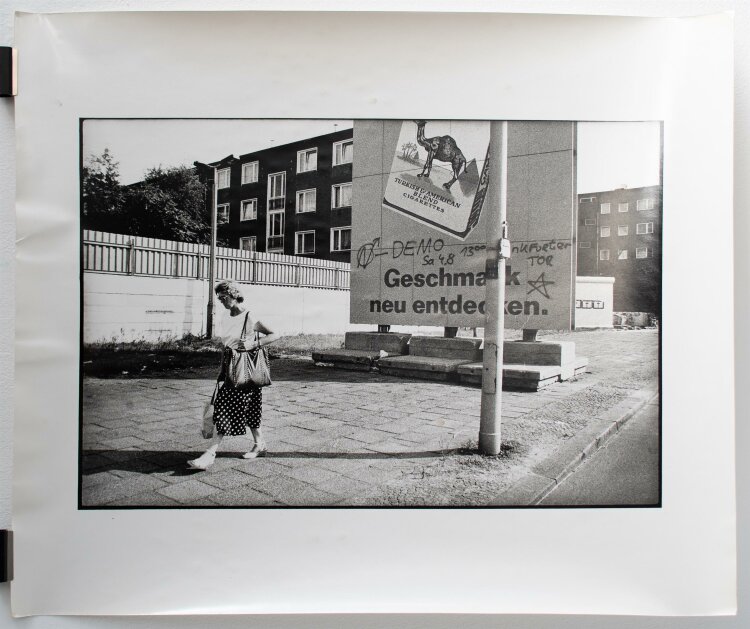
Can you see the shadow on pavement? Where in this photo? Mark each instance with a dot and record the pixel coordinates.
(150, 461)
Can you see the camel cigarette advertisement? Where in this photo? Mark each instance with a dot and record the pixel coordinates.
(419, 230)
(438, 174)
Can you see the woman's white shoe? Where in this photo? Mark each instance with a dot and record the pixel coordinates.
(259, 449)
(203, 462)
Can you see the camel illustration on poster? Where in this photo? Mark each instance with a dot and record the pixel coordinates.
(439, 174)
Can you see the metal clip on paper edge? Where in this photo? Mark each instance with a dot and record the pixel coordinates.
(6, 556)
(8, 71)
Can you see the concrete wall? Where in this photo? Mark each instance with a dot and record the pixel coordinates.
(594, 298)
(128, 308)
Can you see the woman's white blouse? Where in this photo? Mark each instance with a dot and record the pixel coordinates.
(231, 329)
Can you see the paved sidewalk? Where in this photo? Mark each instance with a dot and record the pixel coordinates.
(340, 438)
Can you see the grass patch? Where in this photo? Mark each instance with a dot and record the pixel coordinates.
(140, 358)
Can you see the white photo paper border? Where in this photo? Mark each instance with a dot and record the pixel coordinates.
(679, 559)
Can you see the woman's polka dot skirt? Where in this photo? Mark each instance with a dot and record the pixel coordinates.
(235, 410)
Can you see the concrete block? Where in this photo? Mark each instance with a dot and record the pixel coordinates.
(573, 368)
(529, 377)
(415, 373)
(523, 377)
(538, 352)
(466, 349)
(353, 356)
(581, 364)
(390, 342)
(352, 366)
(363, 350)
(421, 363)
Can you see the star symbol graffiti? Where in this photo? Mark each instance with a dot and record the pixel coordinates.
(540, 285)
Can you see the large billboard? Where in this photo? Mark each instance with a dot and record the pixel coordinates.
(420, 217)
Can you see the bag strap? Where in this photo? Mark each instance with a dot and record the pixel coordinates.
(244, 327)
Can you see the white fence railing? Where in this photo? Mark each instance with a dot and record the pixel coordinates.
(134, 255)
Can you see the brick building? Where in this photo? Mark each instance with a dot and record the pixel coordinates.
(293, 199)
(619, 235)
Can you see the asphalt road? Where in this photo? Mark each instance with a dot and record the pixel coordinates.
(624, 472)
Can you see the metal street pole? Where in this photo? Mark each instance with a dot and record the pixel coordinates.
(212, 260)
(212, 248)
(497, 250)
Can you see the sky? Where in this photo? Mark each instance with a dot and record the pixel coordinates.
(610, 154)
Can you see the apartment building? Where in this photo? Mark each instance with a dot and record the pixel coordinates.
(619, 235)
(293, 199)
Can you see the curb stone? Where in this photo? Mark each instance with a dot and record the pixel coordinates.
(539, 482)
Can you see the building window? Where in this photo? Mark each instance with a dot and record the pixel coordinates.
(588, 199)
(249, 243)
(307, 160)
(622, 207)
(589, 221)
(604, 232)
(341, 239)
(275, 232)
(604, 254)
(641, 252)
(306, 200)
(622, 254)
(222, 213)
(605, 208)
(304, 243)
(584, 245)
(249, 210)
(222, 178)
(644, 204)
(341, 195)
(250, 172)
(622, 230)
(644, 228)
(343, 152)
(276, 191)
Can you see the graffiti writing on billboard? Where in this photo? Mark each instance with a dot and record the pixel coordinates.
(429, 252)
(540, 252)
(540, 285)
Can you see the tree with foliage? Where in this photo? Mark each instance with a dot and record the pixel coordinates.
(102, 193)
(169, 203)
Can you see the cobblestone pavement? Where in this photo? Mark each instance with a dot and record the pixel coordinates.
(341, 438)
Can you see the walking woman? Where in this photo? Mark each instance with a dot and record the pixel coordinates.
(236, 410)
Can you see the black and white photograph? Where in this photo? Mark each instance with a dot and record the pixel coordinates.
(310, 313)
(341, 323)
